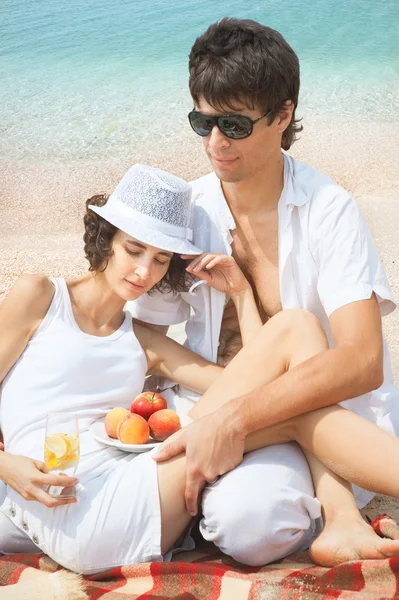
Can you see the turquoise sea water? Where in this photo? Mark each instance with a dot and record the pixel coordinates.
(98, 78)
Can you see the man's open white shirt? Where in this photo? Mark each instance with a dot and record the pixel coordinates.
(327, 259)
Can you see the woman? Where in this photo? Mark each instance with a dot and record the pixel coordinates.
(70, 347)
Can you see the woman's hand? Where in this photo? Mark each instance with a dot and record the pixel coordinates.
(29, 477)
(220, 271)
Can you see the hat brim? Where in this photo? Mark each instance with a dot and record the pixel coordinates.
(143, 234)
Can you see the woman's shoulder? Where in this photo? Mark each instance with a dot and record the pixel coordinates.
(33, 287)
(31, 292)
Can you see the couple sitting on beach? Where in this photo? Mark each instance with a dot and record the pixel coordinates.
(265, 253)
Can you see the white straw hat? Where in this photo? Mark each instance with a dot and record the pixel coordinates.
(153, 206)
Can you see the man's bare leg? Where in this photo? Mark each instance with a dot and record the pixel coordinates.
(285, 341)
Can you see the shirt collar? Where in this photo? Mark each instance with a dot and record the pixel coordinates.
(223, 207)
(292, 194)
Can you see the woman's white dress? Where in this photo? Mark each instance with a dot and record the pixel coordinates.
(117, 518)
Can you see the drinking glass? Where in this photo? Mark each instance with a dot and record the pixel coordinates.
(61, 450)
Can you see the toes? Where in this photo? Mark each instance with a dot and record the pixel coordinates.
(389, 548)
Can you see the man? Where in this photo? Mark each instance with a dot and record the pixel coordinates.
(302, 243)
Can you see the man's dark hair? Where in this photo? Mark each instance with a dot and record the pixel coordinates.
(243, 62)
(98, 237)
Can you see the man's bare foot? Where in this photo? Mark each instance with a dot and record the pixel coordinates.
(348, 539)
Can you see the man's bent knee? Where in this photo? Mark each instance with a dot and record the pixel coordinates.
(274, 546)
(260, 514)
(260, 532)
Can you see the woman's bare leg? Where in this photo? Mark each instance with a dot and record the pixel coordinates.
(286, 340)
(352, 447)
(346, 535)
(174, 516)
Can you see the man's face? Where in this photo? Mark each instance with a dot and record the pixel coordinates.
(236, 160)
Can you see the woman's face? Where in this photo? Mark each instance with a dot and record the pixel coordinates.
(135, 267)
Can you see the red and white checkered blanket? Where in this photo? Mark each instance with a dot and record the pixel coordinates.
(207, 574)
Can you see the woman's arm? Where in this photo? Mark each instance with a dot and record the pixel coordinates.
(248, 315)
(20, 315)
(222, 272)
(172, 360)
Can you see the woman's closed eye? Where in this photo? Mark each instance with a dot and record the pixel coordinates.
(137, 253)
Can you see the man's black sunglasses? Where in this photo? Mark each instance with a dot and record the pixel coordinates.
(235, 127)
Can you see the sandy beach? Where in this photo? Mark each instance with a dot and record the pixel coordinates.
(41, 204)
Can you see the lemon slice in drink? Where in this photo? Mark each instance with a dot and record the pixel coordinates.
(73, 441)
(58, 445)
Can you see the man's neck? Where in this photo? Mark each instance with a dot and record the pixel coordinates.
(259, 193)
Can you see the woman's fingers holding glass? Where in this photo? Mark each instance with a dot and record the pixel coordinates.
(28, 477)
(40, 495)
(41, 484)
(57, 479)
(56, 486)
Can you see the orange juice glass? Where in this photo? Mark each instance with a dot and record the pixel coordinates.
(61, 450)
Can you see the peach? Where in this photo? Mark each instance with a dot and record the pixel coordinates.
(133, 429)
(163, 423)
(112, 418)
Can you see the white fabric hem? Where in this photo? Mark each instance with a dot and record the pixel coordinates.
(360, 292)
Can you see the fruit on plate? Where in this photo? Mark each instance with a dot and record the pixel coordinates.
(147, 403)
(133, 429)
(112, 419)
(163, 423)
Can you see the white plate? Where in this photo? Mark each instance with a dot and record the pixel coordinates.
(97, 430)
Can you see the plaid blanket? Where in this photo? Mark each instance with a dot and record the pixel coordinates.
(207, 574)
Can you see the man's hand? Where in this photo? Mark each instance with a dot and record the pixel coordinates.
(212, 449)
(29, 477)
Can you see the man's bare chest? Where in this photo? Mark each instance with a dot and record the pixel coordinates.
(256, 252)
